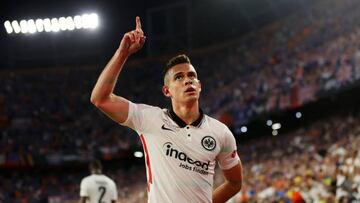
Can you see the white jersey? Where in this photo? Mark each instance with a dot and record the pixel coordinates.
(180, 158)
(98, 188)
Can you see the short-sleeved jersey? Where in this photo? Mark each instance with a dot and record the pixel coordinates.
(98, 188)
(180, 158)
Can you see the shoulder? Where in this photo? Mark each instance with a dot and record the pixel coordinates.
(219, 130)
(216, 125)
(110, 181)
(145, 107)
(86, 179)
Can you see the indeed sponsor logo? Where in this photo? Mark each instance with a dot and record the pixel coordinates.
(172, 152)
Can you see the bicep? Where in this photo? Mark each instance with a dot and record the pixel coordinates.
(115, 107)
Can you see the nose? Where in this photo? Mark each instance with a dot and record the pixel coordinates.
(189, 82)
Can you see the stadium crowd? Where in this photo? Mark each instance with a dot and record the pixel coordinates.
(46, 116)
(320, 163)
(281, 66)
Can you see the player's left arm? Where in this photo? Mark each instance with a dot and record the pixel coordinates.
(231, 186)
(230, 164)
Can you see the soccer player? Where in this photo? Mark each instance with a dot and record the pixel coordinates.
(97, 188)
(181, 144)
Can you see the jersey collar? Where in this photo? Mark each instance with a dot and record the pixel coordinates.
(181, 123)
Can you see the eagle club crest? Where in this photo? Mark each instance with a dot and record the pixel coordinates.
(208, 143)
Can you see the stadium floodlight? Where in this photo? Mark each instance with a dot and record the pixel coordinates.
(276, 126)
(85, 21)
(269, 123)
(89, 20)
(55, 26)
(243, 129)
(39, 25)
(138, 154)
(31, 26)
(24, 26)
(8, 27)
(93, 20)
(47, 25)
(70, 23)
(78, 22)
(62, 23)
(16, 26)
(298, 115)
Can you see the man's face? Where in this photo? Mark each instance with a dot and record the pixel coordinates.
(182, 84)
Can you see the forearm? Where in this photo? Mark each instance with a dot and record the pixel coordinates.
(107, 79)
(225, 191)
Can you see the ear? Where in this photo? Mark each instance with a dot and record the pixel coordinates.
(166, 92)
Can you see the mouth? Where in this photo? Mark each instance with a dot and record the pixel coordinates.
(190, 90)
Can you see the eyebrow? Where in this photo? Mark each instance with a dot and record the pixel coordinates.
(178, 73)
(192, 73)
(189, 72)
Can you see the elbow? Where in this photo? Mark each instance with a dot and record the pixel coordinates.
(95, 101)
(99, 101)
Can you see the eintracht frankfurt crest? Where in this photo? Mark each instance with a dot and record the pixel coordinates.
(208, 143)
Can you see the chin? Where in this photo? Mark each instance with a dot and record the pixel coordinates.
(192, 98)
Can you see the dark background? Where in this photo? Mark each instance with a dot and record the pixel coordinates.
(170, 26)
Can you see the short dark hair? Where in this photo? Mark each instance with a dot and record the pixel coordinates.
(175, 61)
(95, 165)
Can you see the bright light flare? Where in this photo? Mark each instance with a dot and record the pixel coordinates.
(276, 126)
(47, 25)
(23, 26)
(138, 154)
(39, 25)
(31, 26)
(85, 21)
(16, 26)
(8, 27)
(70, 23)
(55, 26)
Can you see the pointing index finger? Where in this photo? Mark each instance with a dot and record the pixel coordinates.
(138, 23)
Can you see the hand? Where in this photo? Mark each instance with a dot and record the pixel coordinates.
(133, 40)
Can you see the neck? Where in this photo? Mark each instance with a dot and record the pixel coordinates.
(188, 113)
(97, 172)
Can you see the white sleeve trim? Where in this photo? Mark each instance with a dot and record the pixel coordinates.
(130, 114)
(230, 165)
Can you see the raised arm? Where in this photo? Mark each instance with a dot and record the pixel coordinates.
(102, 96)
